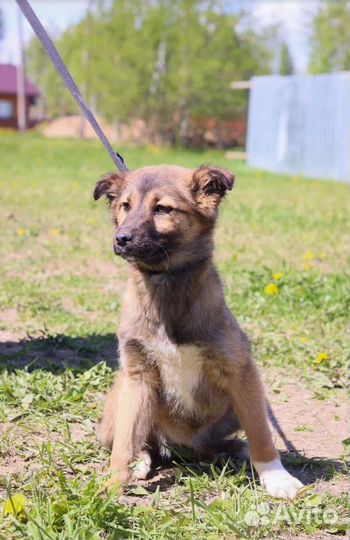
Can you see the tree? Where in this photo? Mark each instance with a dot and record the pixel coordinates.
(169, 62)
(286, 61)
(330, 38)
(56, 98)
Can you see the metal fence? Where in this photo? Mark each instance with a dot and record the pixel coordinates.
(301, 125)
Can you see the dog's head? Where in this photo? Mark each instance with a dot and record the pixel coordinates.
(164, 215)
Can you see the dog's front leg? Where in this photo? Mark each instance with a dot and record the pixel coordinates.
(133, 423)
(250, 405)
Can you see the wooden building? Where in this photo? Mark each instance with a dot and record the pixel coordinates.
(8, 97)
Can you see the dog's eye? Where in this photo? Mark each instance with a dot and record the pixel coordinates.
(126, 206)
(160, 209)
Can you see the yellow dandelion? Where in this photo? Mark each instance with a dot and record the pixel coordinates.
(309, 256)
(271, 289)
(304, 340)
(277, 276)
(15, 505)
(306, 266)
(258, 173)
(55, 232)
(322, 357)
(323, 255)
(295, 178)
(21, 232)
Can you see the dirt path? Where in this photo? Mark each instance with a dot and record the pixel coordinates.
(312, 435)
(315, 427)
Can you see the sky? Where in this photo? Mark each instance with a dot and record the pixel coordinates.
(292, 15)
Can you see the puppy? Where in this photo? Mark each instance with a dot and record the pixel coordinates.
(186, 374)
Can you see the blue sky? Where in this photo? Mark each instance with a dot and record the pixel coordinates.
(292, 15)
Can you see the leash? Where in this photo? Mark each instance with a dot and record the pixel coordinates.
(67, 78)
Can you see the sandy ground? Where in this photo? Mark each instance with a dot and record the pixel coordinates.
(316, 428)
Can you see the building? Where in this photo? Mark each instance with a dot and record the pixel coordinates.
(8, 97)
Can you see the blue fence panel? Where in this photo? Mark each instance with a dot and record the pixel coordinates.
(300, 125)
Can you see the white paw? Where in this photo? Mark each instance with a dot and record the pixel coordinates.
(142, 466)
(281, 484)
(277, 481)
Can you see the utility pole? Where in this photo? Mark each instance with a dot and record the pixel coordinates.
(20, 81)
(86, 63)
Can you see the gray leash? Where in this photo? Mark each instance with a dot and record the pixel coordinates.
(68, 79)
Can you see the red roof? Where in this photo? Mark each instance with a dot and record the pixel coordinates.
(8, 83)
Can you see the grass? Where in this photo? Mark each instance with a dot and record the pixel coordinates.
(282, 252)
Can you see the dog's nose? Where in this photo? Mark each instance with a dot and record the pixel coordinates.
(123, 238)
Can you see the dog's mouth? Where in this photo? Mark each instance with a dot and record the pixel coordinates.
(151, 254)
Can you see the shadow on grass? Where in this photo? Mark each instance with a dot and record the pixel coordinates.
(164, 474)
(58, 353)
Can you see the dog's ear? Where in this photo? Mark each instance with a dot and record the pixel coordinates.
(110, 185)
(209, 186)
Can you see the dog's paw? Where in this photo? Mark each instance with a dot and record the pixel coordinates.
(117, 480)
(281, 484)
(277, 481)
(142, 466)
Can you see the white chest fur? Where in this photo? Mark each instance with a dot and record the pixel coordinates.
(180, 369)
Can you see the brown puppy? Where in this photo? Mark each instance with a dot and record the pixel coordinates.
(187, 376)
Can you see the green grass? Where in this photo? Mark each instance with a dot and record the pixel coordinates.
(60, 292)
